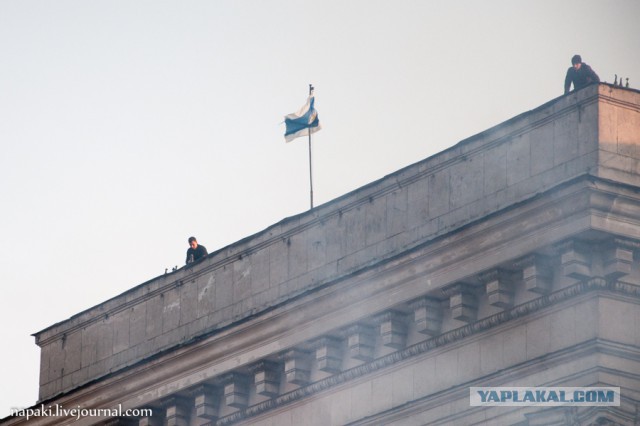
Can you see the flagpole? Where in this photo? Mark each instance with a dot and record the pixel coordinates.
(310, 172)
(310, 169)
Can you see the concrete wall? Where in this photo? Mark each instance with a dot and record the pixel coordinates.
(510, 163)
(569, 345)
(618, 124)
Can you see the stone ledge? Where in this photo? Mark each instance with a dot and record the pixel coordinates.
(521, 311)
(357, 233)
(384, 272)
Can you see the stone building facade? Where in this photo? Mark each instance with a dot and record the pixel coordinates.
(510, 259)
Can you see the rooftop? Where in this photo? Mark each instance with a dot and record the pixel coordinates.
(592, 132)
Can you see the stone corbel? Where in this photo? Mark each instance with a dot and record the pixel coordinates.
(427, 315)
(266, 378)
(297, 366)
(537, 273)
(119, 421)
(236, 390)
(463, 301)
(177, 410)
(153, 420)
(575, 258)
(361, 341)
(500, 287)
(393, 329)
(556, 415)
(618, 258)
(328, 354)
(206, 401)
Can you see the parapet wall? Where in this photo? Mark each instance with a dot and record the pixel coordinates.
(505, 165)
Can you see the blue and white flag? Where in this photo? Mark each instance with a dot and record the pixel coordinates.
(302, 122)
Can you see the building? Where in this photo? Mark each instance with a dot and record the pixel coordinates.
(510, 259)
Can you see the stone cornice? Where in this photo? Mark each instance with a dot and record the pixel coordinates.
(153, 292)
(605, 94)
(477, 206)
(387, 268)
(485, 324)
(289, 227)
(456, 335)
(437, 229)
(194, 358)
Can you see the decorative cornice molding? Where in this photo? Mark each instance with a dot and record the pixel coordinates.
(470, 147)
(390, 315)
(357, 328)
(520, 311)
(576, 188)
(626, 288)
(457, 288)
(602, 184)
(626, 243)
(604, 96)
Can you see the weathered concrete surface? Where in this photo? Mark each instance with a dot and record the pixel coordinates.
(593, 132)
(434, 389)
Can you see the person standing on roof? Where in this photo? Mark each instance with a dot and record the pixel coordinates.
(580, 74)
(196, 251)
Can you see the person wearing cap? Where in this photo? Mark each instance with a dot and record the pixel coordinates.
(580, 74)
(196, 251)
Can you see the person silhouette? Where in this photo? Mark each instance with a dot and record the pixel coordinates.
(580, 74)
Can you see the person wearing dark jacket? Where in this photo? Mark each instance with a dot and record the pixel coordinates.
(580, 74)
(196, 251)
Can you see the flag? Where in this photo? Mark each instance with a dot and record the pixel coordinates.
(302, 122)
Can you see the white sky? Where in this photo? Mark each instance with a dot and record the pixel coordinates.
(127, 126)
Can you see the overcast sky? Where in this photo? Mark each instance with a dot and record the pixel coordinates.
(127, 126)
